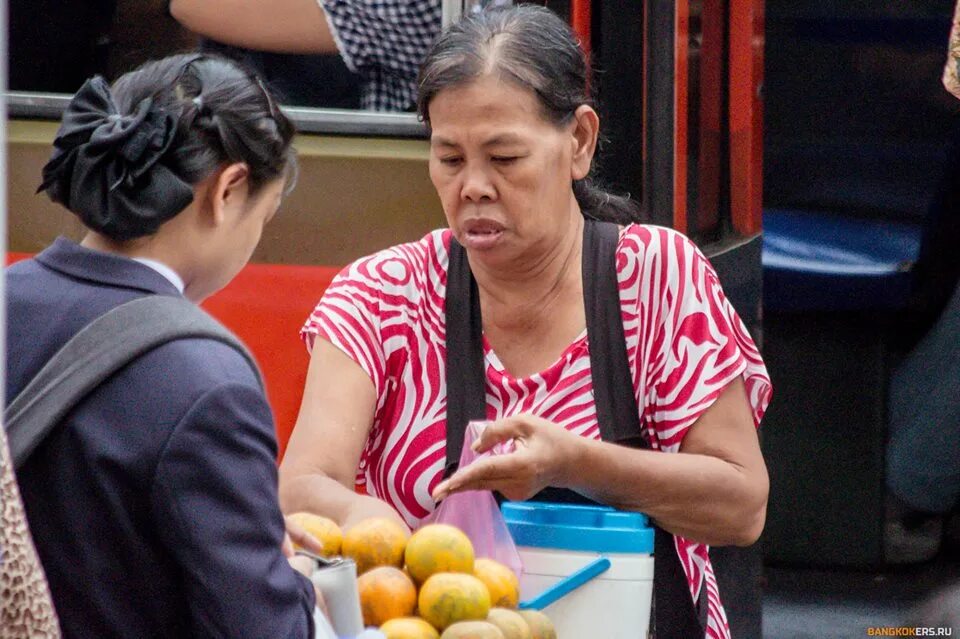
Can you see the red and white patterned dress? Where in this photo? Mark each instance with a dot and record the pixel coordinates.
(684, 340)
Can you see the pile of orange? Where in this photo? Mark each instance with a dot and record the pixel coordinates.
(419, 586)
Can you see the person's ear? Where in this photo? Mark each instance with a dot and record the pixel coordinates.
(586, 129)
(229, 192)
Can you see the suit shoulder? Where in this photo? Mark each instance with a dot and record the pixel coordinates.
(199, 364)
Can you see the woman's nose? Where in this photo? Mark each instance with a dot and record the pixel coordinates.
(477, 186)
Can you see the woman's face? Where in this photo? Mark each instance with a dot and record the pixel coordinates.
(231, 244)
(503, 171)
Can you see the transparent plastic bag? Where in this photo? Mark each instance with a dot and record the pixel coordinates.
(476, 512)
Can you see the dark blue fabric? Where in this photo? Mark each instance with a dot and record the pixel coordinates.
(154, 505)
(824, 262)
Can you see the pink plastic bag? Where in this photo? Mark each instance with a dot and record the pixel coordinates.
(476, 512)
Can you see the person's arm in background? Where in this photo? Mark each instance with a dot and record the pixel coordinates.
(319, 468)
(281, 26)
(214, 499)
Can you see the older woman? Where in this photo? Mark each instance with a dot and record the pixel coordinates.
(513, 137)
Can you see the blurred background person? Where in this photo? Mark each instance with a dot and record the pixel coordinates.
(383, 42)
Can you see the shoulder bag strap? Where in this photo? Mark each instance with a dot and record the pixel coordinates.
(101, 348)
(466, 382)
(674, 612)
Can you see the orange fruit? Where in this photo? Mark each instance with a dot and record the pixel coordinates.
(325, 530)
(375, 542)
(448, 597)
(409, 628)
(385, 593)
(472, 630)
(502, 583)
(510, 623)
(540, 625)
(438, 548)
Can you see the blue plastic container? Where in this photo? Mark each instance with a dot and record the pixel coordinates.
(597, 560)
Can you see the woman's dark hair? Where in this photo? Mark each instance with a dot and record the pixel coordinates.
(126, 157)
(533, 48)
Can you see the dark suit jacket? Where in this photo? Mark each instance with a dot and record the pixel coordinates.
(154, 505)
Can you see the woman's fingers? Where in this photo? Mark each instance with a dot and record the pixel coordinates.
(501, 431)
(286, 546)
(484, 474)
(297, 534)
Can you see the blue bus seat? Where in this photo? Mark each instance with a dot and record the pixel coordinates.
(834, 289)
(816, 261)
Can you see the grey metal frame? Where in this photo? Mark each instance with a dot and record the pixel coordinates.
(50, 106)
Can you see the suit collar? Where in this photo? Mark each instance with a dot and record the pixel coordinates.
(79, 262)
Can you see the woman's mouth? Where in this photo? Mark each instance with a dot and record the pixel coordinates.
(481, 234)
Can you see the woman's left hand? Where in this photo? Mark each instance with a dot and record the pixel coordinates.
(542, 456)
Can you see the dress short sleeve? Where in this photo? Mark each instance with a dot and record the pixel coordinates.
(348, 316)
(695, 343)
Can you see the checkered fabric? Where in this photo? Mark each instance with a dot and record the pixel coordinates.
(384, 41)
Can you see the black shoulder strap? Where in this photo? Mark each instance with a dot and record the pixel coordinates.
(617, 414)
(101, 348)
(618, 417)
(466, 381)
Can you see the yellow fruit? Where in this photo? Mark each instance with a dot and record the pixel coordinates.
(385, 593)
(502, 583)
(438, 548)
(510, 623)
(325, 530)
(540, 625)
(472, 630)
(375, 542)
(409, 628)
(448, 597)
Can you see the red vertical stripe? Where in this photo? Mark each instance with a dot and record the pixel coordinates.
(580, 18)
(746, 115)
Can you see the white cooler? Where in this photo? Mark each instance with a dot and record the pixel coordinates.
(557, 540)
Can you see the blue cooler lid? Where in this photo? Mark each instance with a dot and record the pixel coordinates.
(577, 527)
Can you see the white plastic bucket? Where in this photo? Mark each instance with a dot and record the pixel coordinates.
(557, 540)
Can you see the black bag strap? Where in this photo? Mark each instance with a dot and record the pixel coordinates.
(617, 414)
(100, 349)
(674, 613)
(464, 344)
(618, 417)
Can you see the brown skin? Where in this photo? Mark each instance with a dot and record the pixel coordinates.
(499, 165)
(283, 26)
(318, 470)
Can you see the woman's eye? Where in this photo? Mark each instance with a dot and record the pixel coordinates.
(451, 161)
(504, 159)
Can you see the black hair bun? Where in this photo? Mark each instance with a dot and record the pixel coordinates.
(106, 166)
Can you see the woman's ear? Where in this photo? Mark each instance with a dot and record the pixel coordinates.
(229, 191)
(586, 129)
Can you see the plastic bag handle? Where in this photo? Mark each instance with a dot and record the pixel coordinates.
(566, 585)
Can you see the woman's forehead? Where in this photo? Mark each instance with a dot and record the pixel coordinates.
(487, 99)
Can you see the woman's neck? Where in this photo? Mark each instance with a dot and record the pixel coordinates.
(520, 296)
(149, 248)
